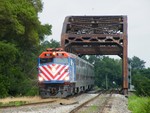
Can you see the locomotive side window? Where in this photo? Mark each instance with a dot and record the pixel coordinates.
(46, 60)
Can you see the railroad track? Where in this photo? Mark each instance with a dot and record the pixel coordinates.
(67, 105)
(27, 104)
(88, 106)
(31, 101)
(42, 101)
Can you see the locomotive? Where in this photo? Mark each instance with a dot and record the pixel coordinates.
(61, 74)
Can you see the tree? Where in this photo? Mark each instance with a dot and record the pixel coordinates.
(20, 36)
(48, 44)
(109, 68)
(141, 81)
(137, 63)
(140, 76)
(20, 24)
(8, 56)
(142, 84)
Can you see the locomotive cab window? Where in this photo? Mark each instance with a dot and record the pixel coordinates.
(46, 60)
(54, 60)
(61, 60)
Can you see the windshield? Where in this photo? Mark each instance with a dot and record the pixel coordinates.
(61, 60)
(54, 60)
(46, 60)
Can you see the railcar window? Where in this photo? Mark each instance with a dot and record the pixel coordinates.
(82, 64)
(46, 60)
(77, 62)
(61, 60)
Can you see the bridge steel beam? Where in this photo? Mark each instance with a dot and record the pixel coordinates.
(97, 35)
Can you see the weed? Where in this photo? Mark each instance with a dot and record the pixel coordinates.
(13, 103)
(139, 104)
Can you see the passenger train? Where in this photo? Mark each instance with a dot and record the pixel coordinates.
(61, 74)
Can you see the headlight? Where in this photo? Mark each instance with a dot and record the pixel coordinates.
(41, 79)
(53, 70)
(67, 78)
(54, 53)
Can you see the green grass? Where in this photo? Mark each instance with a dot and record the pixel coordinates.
(91, 109)
(139, 104)
(13, 103)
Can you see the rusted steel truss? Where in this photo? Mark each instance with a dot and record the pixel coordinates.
(97, 35)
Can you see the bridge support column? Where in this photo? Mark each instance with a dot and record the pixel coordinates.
(125, 66)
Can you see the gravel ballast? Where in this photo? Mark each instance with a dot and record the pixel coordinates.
(118, 105)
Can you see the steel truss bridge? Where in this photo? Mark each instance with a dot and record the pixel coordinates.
(97, 35)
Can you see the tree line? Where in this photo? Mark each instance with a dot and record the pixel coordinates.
(20, 35)
(108, 73)
(140, 76)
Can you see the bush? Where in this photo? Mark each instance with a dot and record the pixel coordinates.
(142, 85)
(8, 56)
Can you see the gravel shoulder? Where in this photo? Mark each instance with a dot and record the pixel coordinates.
(117, 102)
(65, 107)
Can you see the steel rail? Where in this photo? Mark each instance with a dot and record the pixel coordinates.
(83, 104)
(27, 104)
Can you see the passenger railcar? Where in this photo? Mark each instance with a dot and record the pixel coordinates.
(61, 74)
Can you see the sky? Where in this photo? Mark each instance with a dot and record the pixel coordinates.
(137, 11)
